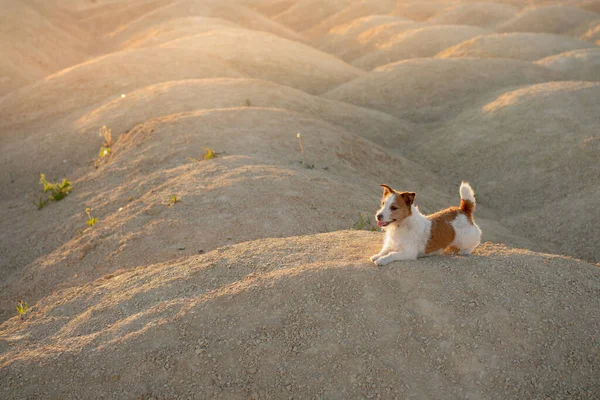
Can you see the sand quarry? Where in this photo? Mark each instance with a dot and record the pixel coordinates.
(254, 280)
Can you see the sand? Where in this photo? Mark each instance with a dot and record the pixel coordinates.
(519, 46)
(246, 275)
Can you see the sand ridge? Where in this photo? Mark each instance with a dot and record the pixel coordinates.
(230, 255)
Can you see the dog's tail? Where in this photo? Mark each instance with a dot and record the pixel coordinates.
(467, 199)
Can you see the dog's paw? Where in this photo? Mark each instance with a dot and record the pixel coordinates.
(382, 261)
(375, 257)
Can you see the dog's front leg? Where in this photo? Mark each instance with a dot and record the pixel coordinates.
(385, 250)
(396, 256)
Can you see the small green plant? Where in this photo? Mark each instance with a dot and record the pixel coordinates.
(41, 203)
(364, 223)
(248, 103)
(22, 308)
(173, 200)
(58, 191)
(106, 149)
(91, 221)
(209, 153)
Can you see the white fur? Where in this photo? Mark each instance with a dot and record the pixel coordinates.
(407, 239)
(385, 210)
(466, 192)
(467, 235)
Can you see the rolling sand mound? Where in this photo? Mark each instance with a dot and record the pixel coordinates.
(352, 12)
(364, 35)
(230, 11)
(545, 140)
(419, 10)
(235, 276)
(223, 53)
(303, 15)
(553, 19)
(190, 95)
(582, 65)
(417, 43)
(105, 78)
(32, 46)
(590, 5)
(259, 169)
(520, 46)
(103, 19)
(265, 56)
(593, 33)
(413, 90)
(175, 28)
(310, 317)
(483, 14)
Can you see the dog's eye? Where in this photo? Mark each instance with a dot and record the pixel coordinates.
(393, 208)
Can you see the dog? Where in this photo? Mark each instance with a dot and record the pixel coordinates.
(410, 234)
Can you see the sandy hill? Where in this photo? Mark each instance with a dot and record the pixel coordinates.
(151, 23)
(229, 259)
(413, 90)
(308, 316)
(550, 19)
(577, 65)
(32, 46)
(363, 35)
(418, 43)
(520, 46)
(483, 14)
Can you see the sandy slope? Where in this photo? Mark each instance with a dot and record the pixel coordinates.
(32, 46)
(520, 46)
(418, 43)
(577, 65)
(251, 286)
(309, 316)
(414, 89)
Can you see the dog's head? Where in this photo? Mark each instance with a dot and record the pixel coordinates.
(395, 206)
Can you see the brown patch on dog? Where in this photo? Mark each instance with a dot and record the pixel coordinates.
(402, 203)
(467, 207)
(442, 232)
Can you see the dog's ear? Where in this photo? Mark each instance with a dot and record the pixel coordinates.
(409, 197)
(386, 190)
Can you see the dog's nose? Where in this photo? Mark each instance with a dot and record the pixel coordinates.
(379, 217)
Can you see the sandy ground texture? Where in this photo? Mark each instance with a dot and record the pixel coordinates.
(229, 258)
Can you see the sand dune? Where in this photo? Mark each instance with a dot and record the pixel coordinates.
(168, 98)
(364, 35)
(248, 284)
(175, 28)
(32, 46)
(581, 65)
(520, 46)
(217, 9)
(420, 10)
(262, 55)
(593, 33)
(269, 318)
(412, 89)
(356, 10)
(483, 14)
(156, 159)
(124, 71)
(418, 43)
(553, 19)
